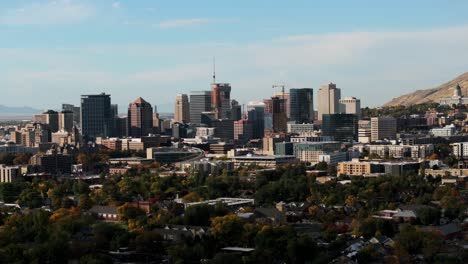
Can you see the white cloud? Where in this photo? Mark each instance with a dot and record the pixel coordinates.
(177, 23)
(173, 75)
(47, 13)
(374, 66)
(116, 5)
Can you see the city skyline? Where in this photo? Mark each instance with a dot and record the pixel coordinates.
(71, 47)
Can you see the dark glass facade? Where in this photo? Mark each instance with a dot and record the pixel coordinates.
(301, 104)
(343, 127)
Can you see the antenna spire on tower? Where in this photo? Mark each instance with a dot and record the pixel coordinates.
(214, 69)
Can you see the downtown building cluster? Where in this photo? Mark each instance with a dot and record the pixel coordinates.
(284, 128)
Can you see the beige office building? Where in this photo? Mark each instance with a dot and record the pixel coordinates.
(351, 105)
(354, 167)
(182, 109)
(328, 100)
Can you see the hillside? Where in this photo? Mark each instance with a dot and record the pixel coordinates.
(432, 94)
(10, 110)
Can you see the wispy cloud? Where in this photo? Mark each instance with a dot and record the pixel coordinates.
(369, 65)
(47, 13)
(177, 23)
(116, 5)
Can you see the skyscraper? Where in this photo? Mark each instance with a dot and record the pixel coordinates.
(236, 110)
(113, 122)
(383, 128)
(66, 120)
(96, 115)
(351, 105)
(286, 96)
(343, 127)
(301, 102)
(243, 131)
(200, 101)
(182, 109)
(277, 108)
(140, 118)
(256, 114)
(221, 100)
(328, 100)
(50, 117)
(75, 110)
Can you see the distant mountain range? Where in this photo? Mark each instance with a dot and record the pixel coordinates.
(12, 110)
(432, 94)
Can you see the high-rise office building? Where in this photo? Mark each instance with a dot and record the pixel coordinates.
(286, 96)
(140, 118)
(179, 130)
(157, 121)
(200, 101)
(75, 110)
(256, 114)
(350, 105)
(121, 127)
(96, 115)
(182, 109)
(301, 103)
(236, 110)
(50, 117)
(224, 128)
(383, 128)
(243, 131)
(66, 120)
(40, 118)
(328, 100)
(343, 127)
(277, 108)
(113, 122)
(221, 100)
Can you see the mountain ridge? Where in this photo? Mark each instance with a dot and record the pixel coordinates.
(432, 94)
(18, 110)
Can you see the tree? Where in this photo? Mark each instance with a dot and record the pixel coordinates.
(84, 159)
(149, 242)
(9, 192)
(81, 187)
(409, 239)
(192, 197)
(227, 229)
(109, 235)
(226, 258)
(368, 228)
(428, 215)
(63, 215)
(321, 166)
(374, 156)
(198, 215)
(85, 202)
(272, 243)
(7, 159)
(31, 198)
(22, 159)
(451, 160)
(351, 200)
(130, 212)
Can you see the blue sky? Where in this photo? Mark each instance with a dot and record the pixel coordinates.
(54, 51)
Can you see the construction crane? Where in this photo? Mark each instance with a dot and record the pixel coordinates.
(282, 86)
